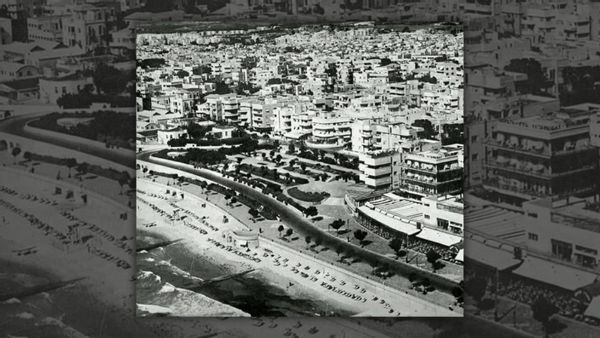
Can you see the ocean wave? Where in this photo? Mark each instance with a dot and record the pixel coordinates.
(174, 269)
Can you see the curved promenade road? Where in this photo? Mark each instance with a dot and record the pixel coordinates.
(302, 225)
(16, 126)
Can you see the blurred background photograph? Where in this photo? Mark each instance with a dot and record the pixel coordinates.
(68, 197)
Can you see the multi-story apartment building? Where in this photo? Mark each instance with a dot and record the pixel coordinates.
(257, 114)
(302, 123)
(380, 170)
(433, 172)
(290, 117)
(224, 108)
(88, 26)
(380, 135)
(47, 28)
(541, 156)
(330, 132)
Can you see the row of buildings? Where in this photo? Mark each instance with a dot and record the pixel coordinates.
(357, 89)
(47, 50)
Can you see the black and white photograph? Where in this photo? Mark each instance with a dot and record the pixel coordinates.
(152, 151)
(288, 171)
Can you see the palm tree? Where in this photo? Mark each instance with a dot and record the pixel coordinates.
(307, 239)
(280, 229)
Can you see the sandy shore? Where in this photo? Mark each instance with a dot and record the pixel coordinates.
(312, 279)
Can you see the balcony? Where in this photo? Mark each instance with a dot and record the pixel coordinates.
(519, 149)
(376, 182)
(417, 190)
(522, 192)
(386, 170)
(521, 169)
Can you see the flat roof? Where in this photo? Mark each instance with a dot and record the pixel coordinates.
(496, 222)
(490, 256)
(559, 275)
(593, 310)
(389, 221)
(440, 237)
(578, 216)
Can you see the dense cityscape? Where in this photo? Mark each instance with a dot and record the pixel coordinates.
(68, 195)
(356, 127)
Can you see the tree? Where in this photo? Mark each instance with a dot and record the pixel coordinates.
(412, 277)
(536, 82)
(15, 152)
(339, 250)
(303, 166)
(289, 232)
(110, 80)
(83, 168)
(307, 239)
(311, 211)
(337, 224)
(432, 257)
(123, 179)
(291, 148)
(202, 69)
(360, 235)
(182, 73)
(476, 288)
(457, 292)
(396, 245)
(453, 133)
(542, 310)
(70, 163)
(428, 130)
(318, 241)
(280, 229)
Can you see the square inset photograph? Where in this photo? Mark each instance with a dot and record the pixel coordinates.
(300, 170)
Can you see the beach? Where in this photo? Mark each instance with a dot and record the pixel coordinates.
(301, 276)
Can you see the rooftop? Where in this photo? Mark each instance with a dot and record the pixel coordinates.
(564, 119)
(582, 215)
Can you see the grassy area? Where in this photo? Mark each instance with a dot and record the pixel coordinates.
(307, 196)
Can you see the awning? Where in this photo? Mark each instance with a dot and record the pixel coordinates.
(460, 255)
(556, 274)
(389, 221)
(593, 310)
(490, 256)
(439, 237)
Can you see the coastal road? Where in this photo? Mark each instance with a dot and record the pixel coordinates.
(16, 126)
(302, 225)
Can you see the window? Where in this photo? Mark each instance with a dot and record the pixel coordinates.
(442, 223)
(533, 237)
(427, 217)
(532, 214)
(474, 157)
(586, 250)
(562, 250)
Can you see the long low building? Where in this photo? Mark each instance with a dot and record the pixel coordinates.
(390, 216)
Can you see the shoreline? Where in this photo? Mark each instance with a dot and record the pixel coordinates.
(283, 277)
